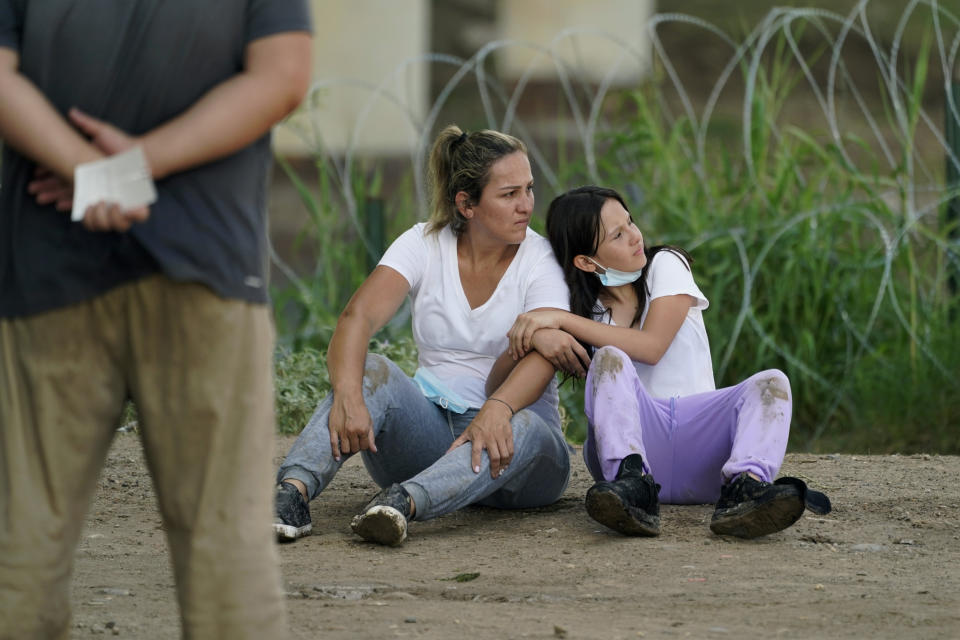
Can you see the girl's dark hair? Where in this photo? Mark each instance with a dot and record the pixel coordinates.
(461, 161)
(574, 228)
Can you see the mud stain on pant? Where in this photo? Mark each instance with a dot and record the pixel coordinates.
(605, 365)
(376, 374)
(771, 390)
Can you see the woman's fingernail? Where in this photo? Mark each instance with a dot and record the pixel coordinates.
(476, 469)
(500, 473)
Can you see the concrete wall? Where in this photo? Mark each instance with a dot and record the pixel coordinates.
(358, 45)
(361, 44)
(591, 55)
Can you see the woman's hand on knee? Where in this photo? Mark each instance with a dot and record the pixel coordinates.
(350, 426)
(490, 430)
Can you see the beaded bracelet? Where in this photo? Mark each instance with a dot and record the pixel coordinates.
(504, 402)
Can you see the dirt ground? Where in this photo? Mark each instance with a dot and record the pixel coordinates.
(884, 564)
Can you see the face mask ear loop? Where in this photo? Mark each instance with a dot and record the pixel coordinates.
(598, 264)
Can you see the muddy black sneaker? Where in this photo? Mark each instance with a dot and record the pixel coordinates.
(292, 519)
(629, 504)
(384, 519)
(749, 508)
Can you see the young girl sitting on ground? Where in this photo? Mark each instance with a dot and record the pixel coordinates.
(650, 398)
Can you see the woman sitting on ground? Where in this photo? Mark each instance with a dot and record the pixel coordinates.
(470, 270)
(652, 407)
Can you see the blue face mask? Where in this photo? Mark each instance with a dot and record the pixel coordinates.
(437, 393)
(614, 278)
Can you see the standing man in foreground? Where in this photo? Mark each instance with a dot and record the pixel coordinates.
(166, 305)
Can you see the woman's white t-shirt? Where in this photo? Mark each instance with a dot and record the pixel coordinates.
(456, 343)
(686, 368)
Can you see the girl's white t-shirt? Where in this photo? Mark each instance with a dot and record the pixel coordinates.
(459, 344)
(686, 368)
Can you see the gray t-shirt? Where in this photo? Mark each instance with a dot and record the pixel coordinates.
(137, 64)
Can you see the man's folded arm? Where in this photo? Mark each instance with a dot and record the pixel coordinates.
(236, 112)
(30, 124)
(227, 118)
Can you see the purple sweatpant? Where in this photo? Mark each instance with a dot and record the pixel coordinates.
(693, 444)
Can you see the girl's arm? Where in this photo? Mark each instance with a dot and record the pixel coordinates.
(373, 304)
(560, 348)
(647, 344)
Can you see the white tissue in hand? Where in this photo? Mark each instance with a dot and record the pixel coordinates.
(123, 179)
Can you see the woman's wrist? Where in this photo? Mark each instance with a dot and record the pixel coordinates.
(504, 403)
(347, 390)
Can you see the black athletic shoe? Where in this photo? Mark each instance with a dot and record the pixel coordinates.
(749, 508)
(292, 519)
(384, 519)
(630, 503)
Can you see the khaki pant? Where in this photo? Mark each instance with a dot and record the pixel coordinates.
(199, 369)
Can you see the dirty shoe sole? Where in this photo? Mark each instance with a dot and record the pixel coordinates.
(381, 524)
(289, 533)
(608, 509)
(752, 520)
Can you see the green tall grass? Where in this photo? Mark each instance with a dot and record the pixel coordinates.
(302, 379)
(822, 248)
(343, 241)
(834, 274)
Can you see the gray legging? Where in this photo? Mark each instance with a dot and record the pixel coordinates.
(412, 435)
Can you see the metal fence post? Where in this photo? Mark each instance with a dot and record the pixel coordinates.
(374, 228)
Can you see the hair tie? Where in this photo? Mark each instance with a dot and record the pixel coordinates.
(460, 140)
